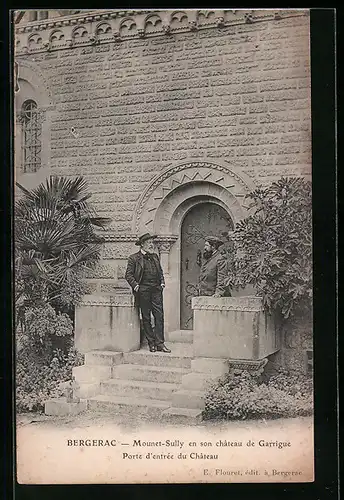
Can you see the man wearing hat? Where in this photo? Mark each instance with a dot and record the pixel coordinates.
(213, 271)
(145, 276)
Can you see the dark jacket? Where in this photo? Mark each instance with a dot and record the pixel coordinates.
(213, 275)
(134, 271)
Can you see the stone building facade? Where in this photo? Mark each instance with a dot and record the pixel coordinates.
(162, 111)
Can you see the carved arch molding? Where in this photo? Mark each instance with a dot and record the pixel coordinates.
(158, 203)
(34, 76)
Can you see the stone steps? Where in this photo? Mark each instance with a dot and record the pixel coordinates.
(142, 407)
(185, 398)
(87, 374)
(198, 381)
(142, 383)
(178, 358)
(181, 349)
(124, 405)
(181, 415)
(103, 358)
(148, 373)
(138, 388)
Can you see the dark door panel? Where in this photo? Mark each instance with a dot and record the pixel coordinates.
(201, 221)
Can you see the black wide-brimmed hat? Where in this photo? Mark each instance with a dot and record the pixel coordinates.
(145, 237)
(214, 241)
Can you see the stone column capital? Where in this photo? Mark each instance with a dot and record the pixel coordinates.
(164, 243)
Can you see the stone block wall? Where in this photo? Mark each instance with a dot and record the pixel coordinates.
(125, 111)
(296, 353)
(120, 113)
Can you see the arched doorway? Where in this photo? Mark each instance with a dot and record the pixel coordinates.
(204, 219)
(163, 206)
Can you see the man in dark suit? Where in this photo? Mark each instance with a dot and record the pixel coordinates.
(145, 276)
(213, 271)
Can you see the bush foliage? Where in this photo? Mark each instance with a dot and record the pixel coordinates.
(273, 247)
(45, 357)
(245, 396)
(56, 244)
(38, 381)
(45, 330)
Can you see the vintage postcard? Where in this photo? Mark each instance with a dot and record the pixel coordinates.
(163, 246)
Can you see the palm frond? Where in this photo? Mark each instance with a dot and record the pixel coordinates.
(100, 221)
(22, 188)
(85, 257)
(55, 237)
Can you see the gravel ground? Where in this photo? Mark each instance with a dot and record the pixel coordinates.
(134, 421)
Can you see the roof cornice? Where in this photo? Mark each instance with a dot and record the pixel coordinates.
(104, 26)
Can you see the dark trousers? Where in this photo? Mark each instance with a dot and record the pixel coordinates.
(150, 300)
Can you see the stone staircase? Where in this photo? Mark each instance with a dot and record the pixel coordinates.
(159, 385)
(232, 333)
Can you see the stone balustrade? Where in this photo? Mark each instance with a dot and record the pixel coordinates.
(233, 328)
(107, 323)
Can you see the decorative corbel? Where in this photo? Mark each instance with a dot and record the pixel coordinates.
(47, 45)
(166, 29)
(193, 25)
(220, 21)
(93, 39)
(248, 18)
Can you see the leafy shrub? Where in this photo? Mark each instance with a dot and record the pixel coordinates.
(244, 396)
(56, 245)
(44, 358)
(273, 247)
(293, 384)
(45, 329)
(36, 381)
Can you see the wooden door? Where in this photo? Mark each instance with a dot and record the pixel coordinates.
(201, 221)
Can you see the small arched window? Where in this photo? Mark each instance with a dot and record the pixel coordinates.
(38, 15)
(42, 14)
(32, 132)
(33, 15)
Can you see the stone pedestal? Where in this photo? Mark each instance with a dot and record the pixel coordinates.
(107, 323)
(233, 328)
(60, 407)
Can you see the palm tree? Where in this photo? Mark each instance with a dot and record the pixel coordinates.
(56, 243)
